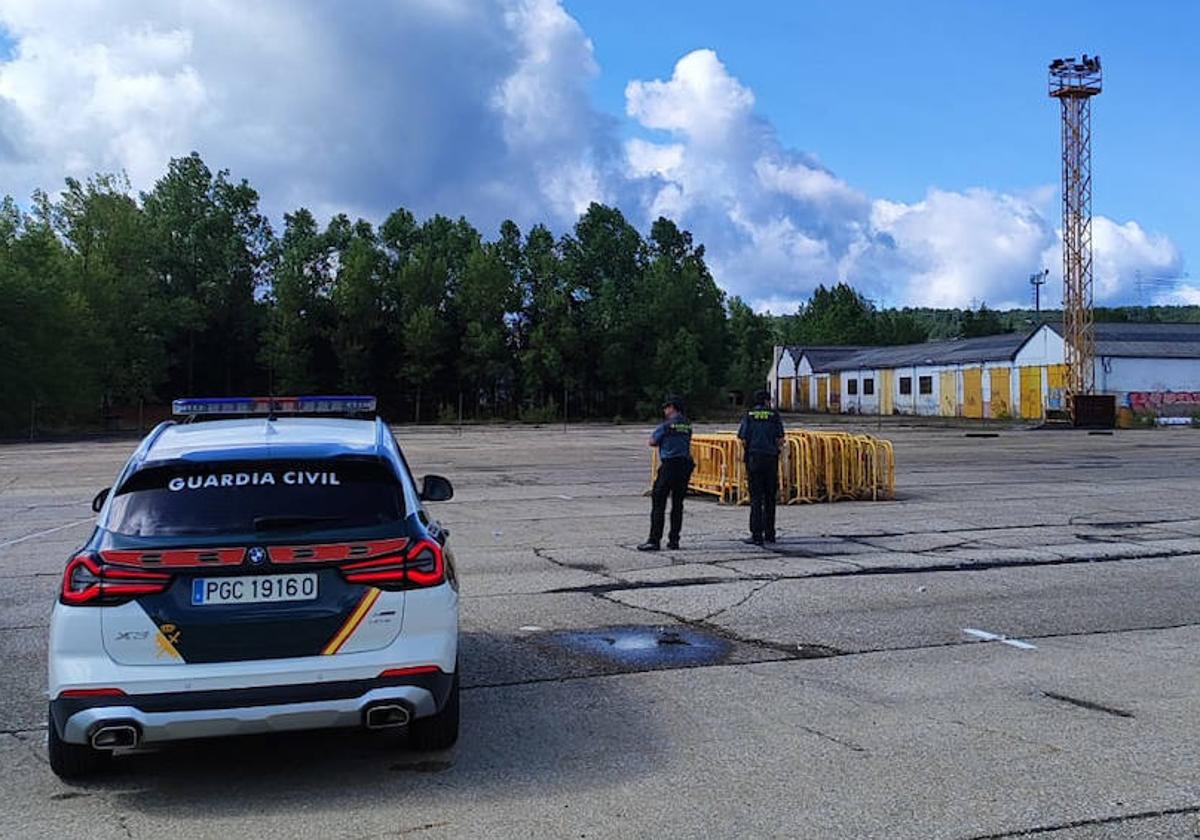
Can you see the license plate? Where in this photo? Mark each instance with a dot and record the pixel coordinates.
(254, 590)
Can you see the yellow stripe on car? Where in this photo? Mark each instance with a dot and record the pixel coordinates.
(355, 619)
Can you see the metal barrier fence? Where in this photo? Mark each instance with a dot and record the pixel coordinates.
(813, 467)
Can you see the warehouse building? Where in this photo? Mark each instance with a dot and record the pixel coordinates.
(1149, 368)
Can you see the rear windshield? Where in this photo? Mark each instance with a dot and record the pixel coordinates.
(257, 497)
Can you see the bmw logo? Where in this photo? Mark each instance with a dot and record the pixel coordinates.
(257, 555)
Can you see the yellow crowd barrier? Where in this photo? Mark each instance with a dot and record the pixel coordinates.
(813, 467)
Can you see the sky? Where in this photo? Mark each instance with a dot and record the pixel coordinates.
(906, 148)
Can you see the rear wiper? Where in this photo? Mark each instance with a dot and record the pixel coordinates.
(278, 523)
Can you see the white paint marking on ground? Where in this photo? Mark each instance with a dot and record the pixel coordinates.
(37, 534)
(530, 628)
(985, 636)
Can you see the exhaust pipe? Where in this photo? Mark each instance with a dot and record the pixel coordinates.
(115, 736)
(386, 716)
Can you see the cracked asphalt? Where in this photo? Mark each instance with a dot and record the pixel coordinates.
(1010, 649)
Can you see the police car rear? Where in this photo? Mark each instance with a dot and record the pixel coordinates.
(267, 573)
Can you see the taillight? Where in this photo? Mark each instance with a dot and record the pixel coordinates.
(411, 671)
(422, 565)
(91, 692)
(88, 581)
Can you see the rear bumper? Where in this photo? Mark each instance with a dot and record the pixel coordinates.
(279, 708)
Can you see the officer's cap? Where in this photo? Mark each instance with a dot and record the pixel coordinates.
(674, 400)
(761, 397)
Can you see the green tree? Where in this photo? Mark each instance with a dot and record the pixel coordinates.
(679, 294)
(750, 345)
(423, 337)
(836, 316)
(552, 356)
(45, 358)
(300, 306)
(981, 322)
(604, 260)
(359, 337)
(679, 367)
(487, 296)
(109, 267)
(899, 327)
(212, 254)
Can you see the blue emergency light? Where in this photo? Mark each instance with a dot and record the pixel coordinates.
(272, 406)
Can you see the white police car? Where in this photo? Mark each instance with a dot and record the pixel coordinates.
(268, 573)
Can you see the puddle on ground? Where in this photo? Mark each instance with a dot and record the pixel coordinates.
(643, 645)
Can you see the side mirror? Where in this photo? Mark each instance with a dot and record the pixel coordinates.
(434, 488)
(99, 499)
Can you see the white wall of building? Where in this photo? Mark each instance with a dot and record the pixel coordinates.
(787, 365)
(860, 402)
(1158, 386)
(915, 402)
(1044, 347)
(777, 355)
(1117, 375)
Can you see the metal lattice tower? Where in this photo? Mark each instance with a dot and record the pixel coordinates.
(1074, 83)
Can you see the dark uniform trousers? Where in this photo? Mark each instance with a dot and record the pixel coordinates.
(671, 481)
(764, 491)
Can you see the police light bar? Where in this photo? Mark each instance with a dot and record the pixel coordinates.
(273, 405)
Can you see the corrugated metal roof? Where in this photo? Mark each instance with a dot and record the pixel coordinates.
(824, 354)
(1147, 341)
(1152, 341)
(1149, 349)
(989, 348)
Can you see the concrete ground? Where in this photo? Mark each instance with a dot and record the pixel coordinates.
(1010, 649)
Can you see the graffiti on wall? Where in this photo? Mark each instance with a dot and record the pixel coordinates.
(1165, 402)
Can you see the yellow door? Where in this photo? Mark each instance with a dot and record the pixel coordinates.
(1031, 392)
(973, 393)
(948, 394)
(1001, 392)
(1057, 376)
(1056, 387)
(835, 393)
(805, 395)
(886, 404)
(822, 394)
(785, 393)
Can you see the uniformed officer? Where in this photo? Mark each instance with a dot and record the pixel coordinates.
(673, 438)
(761, 432)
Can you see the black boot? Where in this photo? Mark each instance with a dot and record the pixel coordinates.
(649, 545)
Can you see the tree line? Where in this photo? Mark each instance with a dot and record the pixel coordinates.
(111, 300)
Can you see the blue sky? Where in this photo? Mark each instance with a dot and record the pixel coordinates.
(906, 148)
(898, 97)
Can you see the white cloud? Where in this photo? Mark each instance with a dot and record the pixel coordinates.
(700, 100)
(1120, 251)
(1181, 295)
(806, 183)
(777, 222)
(957, 248)
(482, 108)
(455, 107)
